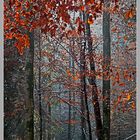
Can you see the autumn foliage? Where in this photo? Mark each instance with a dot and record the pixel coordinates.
(67, 72)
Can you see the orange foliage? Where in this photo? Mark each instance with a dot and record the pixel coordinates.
(122, 84)
(75, 78)
(90, 20)
(129, 14)
(68, 72)
(128, 97)
(82, 8)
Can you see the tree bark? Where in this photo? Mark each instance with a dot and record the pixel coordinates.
(83, 91)
(73, 72)
(39, 88)
(30, 89)
(69, 125)
(92, 82)
(49, 122)
(106, 69)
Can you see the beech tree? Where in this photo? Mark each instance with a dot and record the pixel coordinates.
(106, 70)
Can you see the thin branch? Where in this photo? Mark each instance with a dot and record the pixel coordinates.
(130, 136)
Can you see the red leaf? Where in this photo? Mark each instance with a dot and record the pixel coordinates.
(71, 121)
(122, 84)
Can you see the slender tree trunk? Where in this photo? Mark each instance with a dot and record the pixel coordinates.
(40, 112)
(39, 89)
(83, 82)
(73, 72)
(60, 90)
(49, 108)
(69, 125)
(88, 114)
(71, 115)
(30, 89)
(92, 82)
(83, 91)
(49, 122)
(106, 69)
(86, 98)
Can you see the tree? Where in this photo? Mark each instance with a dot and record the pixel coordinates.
(92, 80)
(30, 87)
(106, 70)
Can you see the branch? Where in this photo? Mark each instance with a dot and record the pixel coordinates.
(130, 136)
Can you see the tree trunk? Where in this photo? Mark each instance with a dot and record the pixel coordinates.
(49, 122)
(39, 89)
(86, 98)
(30, 89)
(106, 69)
(49, 108)
(73, 72)
(92, 82)
(83, 82)
(69, 124)
(83, 91)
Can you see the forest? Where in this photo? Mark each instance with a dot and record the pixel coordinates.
(70, 69)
